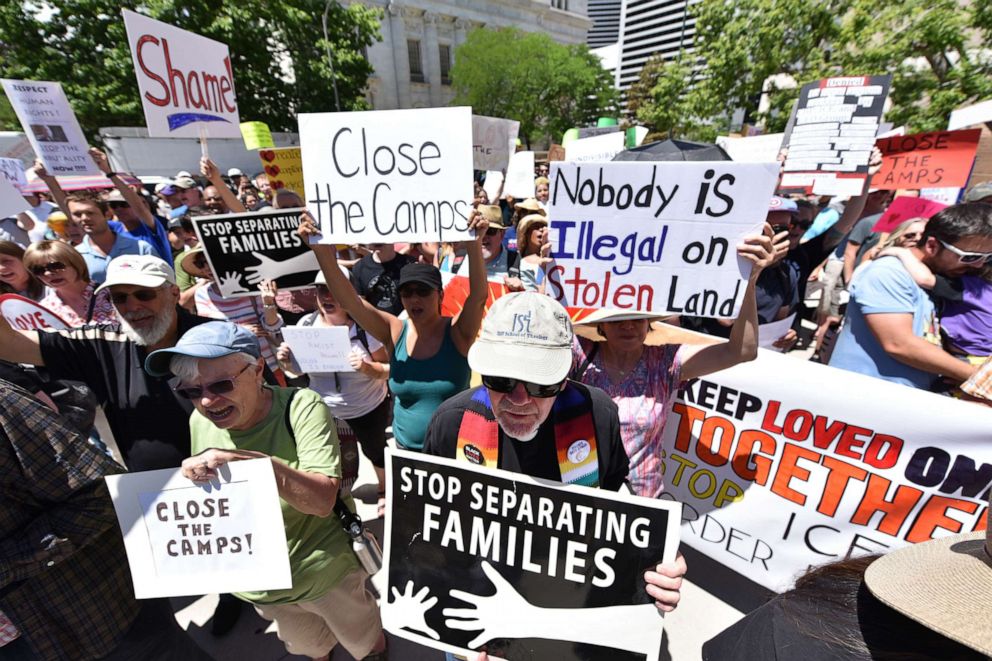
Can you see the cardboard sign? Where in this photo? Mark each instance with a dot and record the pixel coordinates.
(11, 200)
(244, 249)
(904, 208)
(942, 159)
(493, 141)
(596, 148)
(12, 171)
(813, 465)
(536, 569)
(978, 113)
(24, 314)
(185, 80)
(520, 176)
(389, 175)
(656, 237)
(284, 167)
(51, 126)
(256, 136)
(752, 149)
(319, 348)
(832, 131)
(184, 539)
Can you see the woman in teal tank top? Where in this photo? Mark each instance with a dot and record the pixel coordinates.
(427, 351)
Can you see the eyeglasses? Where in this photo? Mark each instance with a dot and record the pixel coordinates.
(50, 267)
(778, 229)
(423, 291)
(200, 262)
(118, 205)
(143, 295)
(966, 257)
(221, 387)
(802, 224)
(493, 231)
(506, 385)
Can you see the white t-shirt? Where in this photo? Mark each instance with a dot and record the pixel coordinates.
(40, 215)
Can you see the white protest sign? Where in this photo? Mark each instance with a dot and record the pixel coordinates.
(970, 115)
(494, 180)
(24, 314)
(520, 176)
(185, 80)
(185, 539)
(752, 149)
(597, 148)
(12, 170)
(773, 331)
(816, 464)
(11, 200)
(946, 196)
(656, 236)
(493, 141)
(319, 348)
(389, 175)
(51, 126)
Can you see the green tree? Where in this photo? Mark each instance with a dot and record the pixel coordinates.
(277, 53)
(546, 86)
(662, 98)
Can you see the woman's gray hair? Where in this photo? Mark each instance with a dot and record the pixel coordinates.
(187, 368)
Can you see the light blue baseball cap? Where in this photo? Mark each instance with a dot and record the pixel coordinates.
(214, 339)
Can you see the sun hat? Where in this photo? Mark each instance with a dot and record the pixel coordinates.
(530, 204)
(187, 263)
(526, 336)
(493, 215)
(214, 339)
(423, 273)
(658, 333)
(527, 222)
(138, 270)
(321, 280)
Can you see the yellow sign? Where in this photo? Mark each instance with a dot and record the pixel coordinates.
(284, 165)
(256, 135)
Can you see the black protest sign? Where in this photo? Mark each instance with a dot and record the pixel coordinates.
(245, 248)
(530, 568)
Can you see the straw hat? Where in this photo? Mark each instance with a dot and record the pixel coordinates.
(658, 333)
(527, 222)
(530, 204)
(493, 215)
(944, 584)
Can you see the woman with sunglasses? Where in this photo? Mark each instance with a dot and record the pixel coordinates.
(427, 351)
(70, 294)
(14, 277)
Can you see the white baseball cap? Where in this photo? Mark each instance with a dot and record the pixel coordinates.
(235, 172)
(138, 270)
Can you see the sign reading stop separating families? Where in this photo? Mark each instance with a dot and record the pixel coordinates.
(389, 175)
(656, 237)
(186, 539)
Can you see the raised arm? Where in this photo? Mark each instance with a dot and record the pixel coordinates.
(210, 170)
(465, 327)
(53, 186)
(133, 200)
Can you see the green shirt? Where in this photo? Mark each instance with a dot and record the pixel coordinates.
(183, 279)
(320, 554)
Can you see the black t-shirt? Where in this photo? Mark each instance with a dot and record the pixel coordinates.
(149, 421)
(537, 457)
(376, 282)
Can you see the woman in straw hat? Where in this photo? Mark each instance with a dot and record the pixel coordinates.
(638, 362)
(535, 250)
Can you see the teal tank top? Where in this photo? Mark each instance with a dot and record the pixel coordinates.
(419, 387)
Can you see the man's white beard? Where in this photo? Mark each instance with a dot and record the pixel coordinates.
(146, 336)
(515, 431)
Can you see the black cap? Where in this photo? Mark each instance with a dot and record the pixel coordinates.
(422, 273)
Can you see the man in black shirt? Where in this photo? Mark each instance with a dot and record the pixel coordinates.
(376, 275)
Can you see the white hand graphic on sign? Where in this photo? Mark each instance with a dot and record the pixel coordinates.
(503, 615)
(269, 269)
(230, 283)
(414, 608)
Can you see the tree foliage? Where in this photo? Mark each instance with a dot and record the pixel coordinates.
(546, 86)
(936, 50)
(277, 53)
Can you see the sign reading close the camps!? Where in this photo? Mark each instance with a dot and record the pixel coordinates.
(389, 175)
(319, 349)
(51, 126)
(493, 140)
(654, 236)
(24, 314)
(185, 539)
(942, 159)
(533, 569)
(185, 80)
(244, 249)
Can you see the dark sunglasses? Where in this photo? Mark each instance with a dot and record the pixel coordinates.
(118, 205)
(778, 229)
(143, 295)
(221, 387)
(200, 262)
(505, 385)
(422, 291)
(493, 231)
(803, 224)
(51, 267)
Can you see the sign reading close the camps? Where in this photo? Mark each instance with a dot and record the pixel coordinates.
(51, 126)
(774, 479)
(531, 568)
(24, 314)
(389, 175)
(185, 539)
(245, 248)
(493, 140)
(942, 159)
(185, 80)
(656, 237)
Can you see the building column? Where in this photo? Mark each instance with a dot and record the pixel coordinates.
(401, 58)
(461, 30)
(432, 56)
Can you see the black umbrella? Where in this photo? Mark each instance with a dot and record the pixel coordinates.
(674, 150)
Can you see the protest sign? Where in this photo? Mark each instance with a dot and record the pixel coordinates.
(284, 167)
(556, 153)
(24, 314)
(773, 331)
(256, 136)
(11, 200)
(978, 113)
(596, 148)
(752, 149)
(389, 175)
(493, 141)
(832, 131)
(941, 159)
(520, 176)
(492, 185)
(904, 208)
(245, 248)
(319, 348)
(12, 171)
(946, 196)
(184, 539)
(656, 237)
(185, 80)
(566, 562)
(51, 126)
(778, 474)
(457, 288)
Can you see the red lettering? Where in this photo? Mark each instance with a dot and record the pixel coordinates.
(145, 39)
(199, 89)
(768, 424)
(850, 442)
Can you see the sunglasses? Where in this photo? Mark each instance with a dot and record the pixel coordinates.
(143, 295)
(803, 224)
(493, 231)
(221, 387)
(422, 291)
(506, 385)
(118, 205)
(50, 267)
(966, 257)
(200, 262)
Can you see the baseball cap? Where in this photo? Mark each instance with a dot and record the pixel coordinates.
(169, 189)
(235, 172)
(979, 192)
(214, 339)
(782, 204)
(525, 336)
(138, 270)
(183, 173)
(321, 280)
(184, 182)
(114, 196)
(422, 273)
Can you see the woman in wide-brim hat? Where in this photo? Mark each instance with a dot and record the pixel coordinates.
(535, 251)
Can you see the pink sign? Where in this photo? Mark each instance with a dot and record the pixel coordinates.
(904, 208)
(24, 314)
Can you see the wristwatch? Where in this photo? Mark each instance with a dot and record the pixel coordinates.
(112, 174)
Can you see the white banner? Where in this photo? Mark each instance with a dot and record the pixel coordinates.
(781, 464)
(185, 80)
(520, 176)
(656, 237)
(493, 140)
(389, 175)
(319, 348)
(597, 148)
(752, 149)
(184, 539)
(11, 200)
(51, 126)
